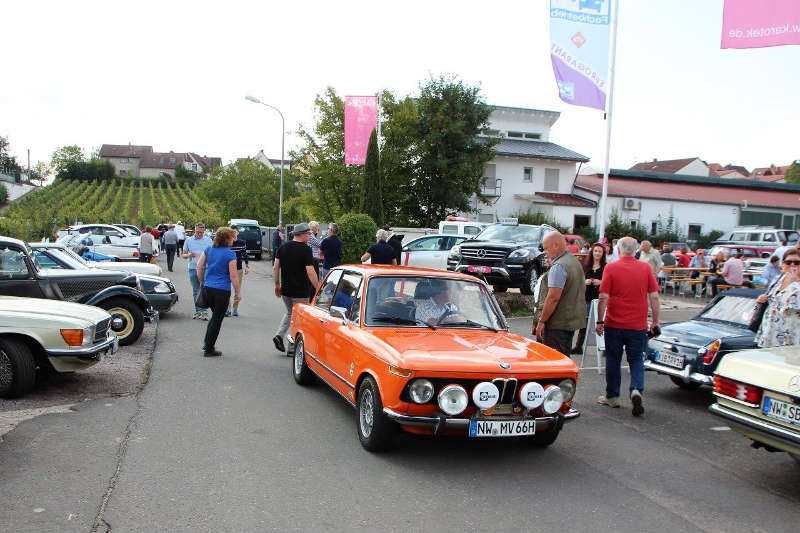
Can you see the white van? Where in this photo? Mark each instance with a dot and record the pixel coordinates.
(460, 226)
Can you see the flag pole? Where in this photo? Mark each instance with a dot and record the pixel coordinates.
(609, 110)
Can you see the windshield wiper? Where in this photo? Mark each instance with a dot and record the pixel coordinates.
(401, 320)
(470, 323)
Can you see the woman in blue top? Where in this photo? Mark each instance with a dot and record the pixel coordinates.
(216, 270)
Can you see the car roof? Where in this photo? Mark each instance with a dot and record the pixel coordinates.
(98, 224)
(36, 245)
(12, 240)
(392, 270)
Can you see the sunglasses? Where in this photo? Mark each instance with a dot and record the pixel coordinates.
(794, 262)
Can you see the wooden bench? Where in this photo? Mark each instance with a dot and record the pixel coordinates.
(725, 287)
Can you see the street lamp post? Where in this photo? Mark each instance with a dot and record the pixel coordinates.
(283, 139)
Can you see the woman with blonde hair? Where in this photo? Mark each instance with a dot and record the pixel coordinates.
(381, 252)
(216, 271)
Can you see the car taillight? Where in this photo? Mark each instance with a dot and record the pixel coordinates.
(738, 390)
(711, 351)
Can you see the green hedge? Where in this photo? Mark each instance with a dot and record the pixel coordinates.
(357, 232)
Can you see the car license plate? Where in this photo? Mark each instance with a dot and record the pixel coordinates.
(785, 411)
(501, 428)
(479, 269)
(670, 359)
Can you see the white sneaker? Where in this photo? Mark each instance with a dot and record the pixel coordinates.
(204, 316)
(611, 402)
(196, 315)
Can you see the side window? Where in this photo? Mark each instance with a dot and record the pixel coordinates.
(754, 237)
(112, 232)
(430, 243)
(45, 261)
(472, 230)
(13, 265)
(325, 296)
(450, 228)
(738, 236)
(348, 295)
(770, 237)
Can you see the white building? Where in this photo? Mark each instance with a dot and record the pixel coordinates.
(529, 172)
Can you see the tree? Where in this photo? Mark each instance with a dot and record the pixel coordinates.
(793, 174)
(398, 158)
(357, 232)
(371, 192)
(248, 189)
(451, 159)
(40, 172)
(184, 175)
(8, 162)
(64, 155)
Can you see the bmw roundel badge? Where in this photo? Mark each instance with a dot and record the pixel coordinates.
(504, 365)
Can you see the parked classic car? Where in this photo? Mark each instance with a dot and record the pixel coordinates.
(135, 267)
(55, 336)
(83, 243)
(689, 352)
(758, 395)
(116, 292)
(130, 228)
(430, 251)
(428, 352)
(159, 291)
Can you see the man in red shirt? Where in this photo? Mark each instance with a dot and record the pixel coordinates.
(626, 288)
(683, 257)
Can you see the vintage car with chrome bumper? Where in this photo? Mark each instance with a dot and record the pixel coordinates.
(49, 335)
(758, 395)
(689, 352)
(428, 352)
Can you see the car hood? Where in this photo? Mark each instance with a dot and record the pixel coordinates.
(770, 368)
(497, 244)
(50, 308)
(699, 332)
(472, 351)
(58, 274)
(128, 266)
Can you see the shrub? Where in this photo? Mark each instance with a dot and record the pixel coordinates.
(704, 241)
(357, 232)
(538, 218)
(618, 228)
(3, 193)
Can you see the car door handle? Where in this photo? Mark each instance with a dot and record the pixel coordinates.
(323, 321)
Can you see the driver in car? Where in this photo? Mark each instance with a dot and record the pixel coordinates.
(433, 309)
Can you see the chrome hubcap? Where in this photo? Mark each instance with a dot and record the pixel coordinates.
(365, 412)
(6, 372)
(298, 357)
(121, 321)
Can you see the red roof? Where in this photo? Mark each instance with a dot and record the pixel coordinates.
(162, 160)
(565, 199)
(696, 192)
(669, 166)
(124, 150)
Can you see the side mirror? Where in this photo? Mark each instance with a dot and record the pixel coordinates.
(339, 312)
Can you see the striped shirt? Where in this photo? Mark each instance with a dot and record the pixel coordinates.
(314, 243)
(239, 247)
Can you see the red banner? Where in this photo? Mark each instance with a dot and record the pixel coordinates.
(756, 24)
(360, 118)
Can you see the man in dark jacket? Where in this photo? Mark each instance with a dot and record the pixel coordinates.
(396, 242)
(331, 248)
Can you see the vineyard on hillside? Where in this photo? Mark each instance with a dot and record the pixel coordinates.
(42, 212)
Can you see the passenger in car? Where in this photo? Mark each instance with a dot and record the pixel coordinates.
(436, 302)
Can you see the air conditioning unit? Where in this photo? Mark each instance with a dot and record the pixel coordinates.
(631, 204)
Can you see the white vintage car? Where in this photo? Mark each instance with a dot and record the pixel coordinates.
(146, 269)
(100, 244)
(758, 394)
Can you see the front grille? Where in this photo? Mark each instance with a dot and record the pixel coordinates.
(508, 387)
(101, 331)
(72, 290)
(483, 254)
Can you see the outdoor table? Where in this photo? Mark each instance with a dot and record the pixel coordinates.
(675, 274)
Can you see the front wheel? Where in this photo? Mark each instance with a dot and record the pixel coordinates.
(131, 319)
(691, 385)
(375, 431)
(529, 283)
(302, 374)
(17, 368)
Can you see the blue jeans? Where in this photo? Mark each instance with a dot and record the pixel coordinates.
(195, 289)
(635, 342)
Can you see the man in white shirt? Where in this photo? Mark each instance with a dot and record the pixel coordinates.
(181, 232)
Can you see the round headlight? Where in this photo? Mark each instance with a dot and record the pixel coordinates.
(453, 399)
(421, 391)
(567, 387)
(553, 399)
(531, 395)
(485, 395)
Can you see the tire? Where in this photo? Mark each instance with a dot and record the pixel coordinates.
(682, 384)
(302, 374)
(132, 317)
(545, 438)
(17, 368)
(375, 431)
(499, 288)
(258, 257)
(529, 283)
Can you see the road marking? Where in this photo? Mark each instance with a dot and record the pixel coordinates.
(721, 428)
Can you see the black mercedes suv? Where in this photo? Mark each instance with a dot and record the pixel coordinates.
(505, 255)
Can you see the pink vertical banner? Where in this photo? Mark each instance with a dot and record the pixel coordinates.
(756, 24)
(360, 118)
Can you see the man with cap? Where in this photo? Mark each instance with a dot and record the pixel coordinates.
(294, 275)
(193, 248)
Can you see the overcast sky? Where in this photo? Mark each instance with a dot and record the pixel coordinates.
(174, 74)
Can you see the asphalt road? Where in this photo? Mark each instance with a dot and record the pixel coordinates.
(233, 444)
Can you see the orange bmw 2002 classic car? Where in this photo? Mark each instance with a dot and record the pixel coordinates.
(429, 351)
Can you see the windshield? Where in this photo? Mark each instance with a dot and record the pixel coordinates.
(790, 237)
(736, 309)
(500, 232)
(69, 257)
(416, 301)
(244, 227)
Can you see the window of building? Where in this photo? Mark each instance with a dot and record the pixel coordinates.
(694, 232)
(551, 179)
(124, 160)
(527, 174)
(581, 221)
(633, 224)
(533, 136)
(653, 228)
(171, 160)
(515, 134)
(123, 172)
(194, 167)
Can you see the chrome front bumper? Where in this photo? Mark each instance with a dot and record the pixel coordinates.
(686, 374)
(110, 345)
(442, 423)
(151, 315)
(751, 424)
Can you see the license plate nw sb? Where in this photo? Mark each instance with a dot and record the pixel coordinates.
(785, 411)
(479, 269)
(501, 428)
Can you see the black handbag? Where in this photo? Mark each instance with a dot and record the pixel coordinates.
(758, 317)
(202, 298)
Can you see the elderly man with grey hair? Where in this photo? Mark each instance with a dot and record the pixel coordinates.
(627, 287)
(381, 253)
(651, 257)
(564, 308)
(331, 248)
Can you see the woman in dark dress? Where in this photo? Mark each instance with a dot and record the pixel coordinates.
(593, 267)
